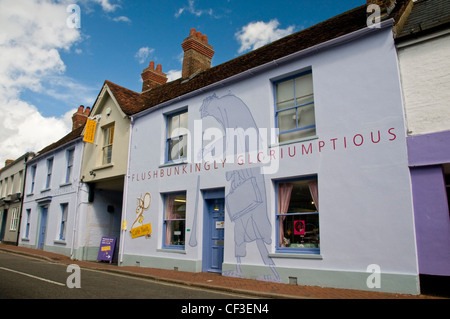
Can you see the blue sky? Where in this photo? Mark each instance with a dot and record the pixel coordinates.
(48, 69)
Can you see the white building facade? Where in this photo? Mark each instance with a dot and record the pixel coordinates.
(54, 197)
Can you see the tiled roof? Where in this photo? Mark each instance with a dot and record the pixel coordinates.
(345, 23)
(426, 15)
(129, 101)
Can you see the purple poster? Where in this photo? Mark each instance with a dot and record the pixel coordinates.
(106, 251)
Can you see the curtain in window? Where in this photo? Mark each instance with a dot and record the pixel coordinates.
(169, 215)
(314, 193)
(284, 197)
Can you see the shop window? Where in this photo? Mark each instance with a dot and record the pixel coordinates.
(294, 113)
(176, 139)
(174, 220)
(298, 216)
(108, 139)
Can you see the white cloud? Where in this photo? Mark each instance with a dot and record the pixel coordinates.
(107, 5)
(190, 8)
(143, 54)
(33, 34)
(257, 34)
(121, 19)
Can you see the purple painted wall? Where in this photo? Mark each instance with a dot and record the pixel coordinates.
(432, 220)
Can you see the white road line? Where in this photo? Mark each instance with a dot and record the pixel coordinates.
(35, 277)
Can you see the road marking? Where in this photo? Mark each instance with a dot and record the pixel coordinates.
(35, 277)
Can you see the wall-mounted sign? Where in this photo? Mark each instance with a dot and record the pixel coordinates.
(89, 132)
(220, 225)
(144, 230)
(138, 228)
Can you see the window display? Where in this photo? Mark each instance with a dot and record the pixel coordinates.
(298, 215)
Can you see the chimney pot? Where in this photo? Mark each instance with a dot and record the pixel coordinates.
(8, 161)
(79, 118)
(197, 53)
(152, 65)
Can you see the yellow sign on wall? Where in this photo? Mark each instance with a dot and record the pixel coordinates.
(89, 132)
(144, 230)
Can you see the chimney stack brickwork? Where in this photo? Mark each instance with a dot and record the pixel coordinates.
(152, 77)
(80, 117)
(197, 53)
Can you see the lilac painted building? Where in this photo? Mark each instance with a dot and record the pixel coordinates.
(424, 59)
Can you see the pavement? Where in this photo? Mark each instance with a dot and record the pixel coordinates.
(252, 288)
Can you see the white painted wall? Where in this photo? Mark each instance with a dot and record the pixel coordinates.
(425, 76)
(58, 193)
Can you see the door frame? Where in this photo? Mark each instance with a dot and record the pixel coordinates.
(43, 217)
(209, 195)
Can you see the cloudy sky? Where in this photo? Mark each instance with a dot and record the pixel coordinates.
(50, 64)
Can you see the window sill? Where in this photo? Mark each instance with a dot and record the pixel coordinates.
(60, 241)
(296, 256)
(65, 184)
(168, 250)
(180, 162)
(45, 190)
(25, 239)
(103, 167)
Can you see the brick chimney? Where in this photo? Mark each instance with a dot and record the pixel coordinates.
(197, 53)
(8, 161)
(152, 77)
(79, 118)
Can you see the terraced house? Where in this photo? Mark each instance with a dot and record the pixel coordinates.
(12, 179)
(292, 163)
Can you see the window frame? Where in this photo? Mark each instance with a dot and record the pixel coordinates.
(33, 178)
(70, 158)
(295, 107)
(14, 219)
(63, 222)
(164, 238)
(168, 138)
(108, 143)
(293, 250)
(27, 223)
(48, 179)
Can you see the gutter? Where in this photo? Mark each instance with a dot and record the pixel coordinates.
(273, 64)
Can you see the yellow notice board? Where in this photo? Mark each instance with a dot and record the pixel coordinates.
(89, 132)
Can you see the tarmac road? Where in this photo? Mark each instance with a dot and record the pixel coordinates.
(28, 278)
